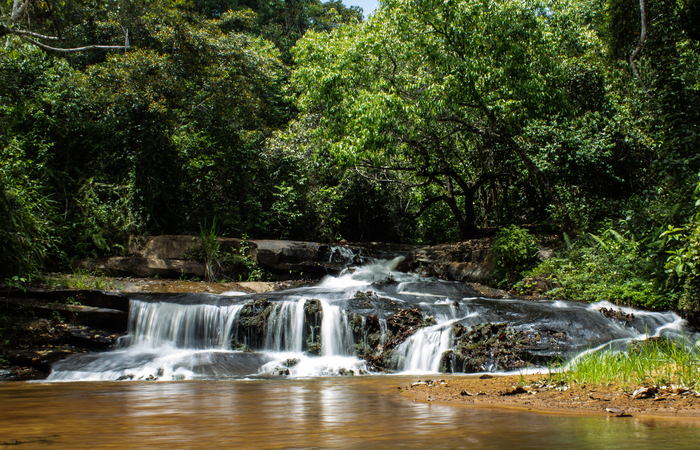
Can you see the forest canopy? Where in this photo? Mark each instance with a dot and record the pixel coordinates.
(427, 122)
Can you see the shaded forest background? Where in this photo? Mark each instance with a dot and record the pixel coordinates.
(428, 122)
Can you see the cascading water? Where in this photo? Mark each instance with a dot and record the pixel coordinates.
(368, 318)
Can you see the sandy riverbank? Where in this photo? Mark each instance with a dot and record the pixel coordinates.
(535, 393)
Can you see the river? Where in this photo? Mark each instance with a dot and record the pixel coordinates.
(333, 412)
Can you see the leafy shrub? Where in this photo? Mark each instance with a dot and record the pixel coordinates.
(683, 262)
(220, 264)
(609, 266)
(105, 216)
(515, 251)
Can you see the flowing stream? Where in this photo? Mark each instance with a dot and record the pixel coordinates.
(367, 319)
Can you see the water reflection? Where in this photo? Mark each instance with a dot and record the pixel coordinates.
(312, 413)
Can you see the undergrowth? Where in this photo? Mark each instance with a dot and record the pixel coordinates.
(515, 251)
(608, 266)
(222, 265)
(81, 280)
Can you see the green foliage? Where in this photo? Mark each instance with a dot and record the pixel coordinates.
(211, 253)
(27, 236)
(422, 124)
(79, 279)
(446, 99)
(515, 251)
(223, 264)
(608, 266)
(105, 217)
(683, 262)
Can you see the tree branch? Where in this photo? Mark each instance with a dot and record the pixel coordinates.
(426, 204)
(18, 9)
(74, 49)
(36, 35)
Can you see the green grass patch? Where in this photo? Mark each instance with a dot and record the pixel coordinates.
(80, 280)
(655, 361)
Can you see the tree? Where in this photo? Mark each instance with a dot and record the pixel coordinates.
(285, 21)
(439, 96)
(158, 139)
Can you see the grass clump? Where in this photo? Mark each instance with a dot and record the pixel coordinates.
(657, 361)
(222, 265)
(81, 280)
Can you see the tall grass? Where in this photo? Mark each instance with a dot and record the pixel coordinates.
(654, 361)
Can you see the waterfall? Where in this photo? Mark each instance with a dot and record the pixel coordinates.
(184, 326)
(285, 327)
(369, 317)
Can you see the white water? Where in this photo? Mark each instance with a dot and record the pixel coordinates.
(422, 352)
(191, 340)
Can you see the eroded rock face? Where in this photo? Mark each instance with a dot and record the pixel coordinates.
(174, 246)
(172, 257)
(141, 267)
(463, 261)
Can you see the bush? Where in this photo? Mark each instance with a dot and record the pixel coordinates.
(515, 251)
(683, 262)
(609, 266)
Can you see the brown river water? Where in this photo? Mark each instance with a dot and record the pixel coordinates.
(360, 412)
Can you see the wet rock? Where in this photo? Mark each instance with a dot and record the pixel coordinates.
(40, 359)
(516, 390)
(313, 318)
(617, 412)
(307, 257)
(252, 323)
(487, 347)
(617, 314)
(405, 320)
(645, 392)
(400, 327)
(368, 336)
